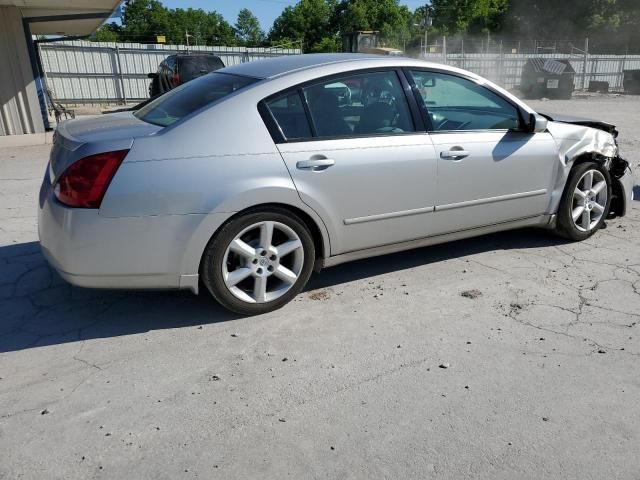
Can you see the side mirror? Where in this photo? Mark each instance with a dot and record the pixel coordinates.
(152, 75)
(537, 123)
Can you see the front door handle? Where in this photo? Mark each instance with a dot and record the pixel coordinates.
(456, 153)
(315, 164)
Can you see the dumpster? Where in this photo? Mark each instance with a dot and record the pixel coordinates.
(631, 82)
(547, 77)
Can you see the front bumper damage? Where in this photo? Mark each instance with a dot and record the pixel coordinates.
(589, 140)
(622, 186)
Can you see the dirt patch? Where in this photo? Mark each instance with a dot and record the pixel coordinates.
(472, 294)
(320, 295)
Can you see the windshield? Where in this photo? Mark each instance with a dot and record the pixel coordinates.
(180, 102)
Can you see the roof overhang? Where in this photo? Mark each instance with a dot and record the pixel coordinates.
(64, 17)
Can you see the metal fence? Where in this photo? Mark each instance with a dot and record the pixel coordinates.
(80, 72)
(505, 69)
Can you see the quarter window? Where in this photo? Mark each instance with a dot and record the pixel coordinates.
(455, 103)
(288, 112)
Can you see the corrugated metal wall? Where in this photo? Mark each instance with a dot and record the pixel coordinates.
(19, 107)
(86, 72)
(80, 72)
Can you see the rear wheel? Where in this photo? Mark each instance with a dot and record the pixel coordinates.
(585, 202)
(258, 262)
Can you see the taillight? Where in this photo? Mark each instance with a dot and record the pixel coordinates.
(85, 182)
(176, 79)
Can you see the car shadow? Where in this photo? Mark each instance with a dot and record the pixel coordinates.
(38, 308)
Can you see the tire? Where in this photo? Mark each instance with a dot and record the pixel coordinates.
(250, 275)
(596, 207)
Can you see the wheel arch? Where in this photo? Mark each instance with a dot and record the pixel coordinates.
(211, 225)
(313, 223)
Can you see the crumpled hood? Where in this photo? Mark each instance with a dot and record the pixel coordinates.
(574, 140)
(585, 122)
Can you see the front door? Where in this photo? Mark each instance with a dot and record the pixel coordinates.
(489, 169)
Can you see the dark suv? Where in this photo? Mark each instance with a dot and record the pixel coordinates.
(181, 68)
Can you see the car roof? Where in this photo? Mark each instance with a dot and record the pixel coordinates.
(285, 64)
(193, 54)
(307, 67)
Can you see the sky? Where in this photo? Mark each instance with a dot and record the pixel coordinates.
(265, 10)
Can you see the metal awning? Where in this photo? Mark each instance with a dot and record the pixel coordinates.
(64, 17)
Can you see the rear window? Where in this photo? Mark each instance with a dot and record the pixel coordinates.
(180, 102)
(194, 67)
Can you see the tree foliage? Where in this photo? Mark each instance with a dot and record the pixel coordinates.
(144, 20)
(469, 16)
(320, 23)
(310, 21)
(248, 29)
(110, 32)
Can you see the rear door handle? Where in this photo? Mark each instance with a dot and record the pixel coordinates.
(315, 164)
(454, 154)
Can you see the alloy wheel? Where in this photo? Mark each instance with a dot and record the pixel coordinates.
(589, 200)
(263, 262)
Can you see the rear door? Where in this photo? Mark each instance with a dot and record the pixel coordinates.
(356, 157)
(490, 170)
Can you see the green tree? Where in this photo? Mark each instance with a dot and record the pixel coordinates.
(143, 20)
(610, 24)
(329, 44)
(204, 28)
(469, 16)
(248, 29)
(309, 21)
(353, 15)
(386, 16)
(109, 32)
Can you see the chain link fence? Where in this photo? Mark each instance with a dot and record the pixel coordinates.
(502, 61)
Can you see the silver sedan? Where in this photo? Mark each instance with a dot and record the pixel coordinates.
(247, 179)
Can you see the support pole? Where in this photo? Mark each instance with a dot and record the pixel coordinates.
(585, 65)
(444, 48)
(120, 76)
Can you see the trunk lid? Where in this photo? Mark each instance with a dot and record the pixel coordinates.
(78, 138)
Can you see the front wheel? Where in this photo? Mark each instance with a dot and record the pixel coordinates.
(259, 261)
(585, 202)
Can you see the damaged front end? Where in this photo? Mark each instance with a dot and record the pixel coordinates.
(581, 140)
(622, 186)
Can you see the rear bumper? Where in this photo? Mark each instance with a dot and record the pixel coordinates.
(128, 281)
(152, 252)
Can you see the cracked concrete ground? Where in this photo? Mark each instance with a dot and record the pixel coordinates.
(541, 340)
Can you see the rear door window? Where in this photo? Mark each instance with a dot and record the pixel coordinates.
(189, 97)
(356, 105)
(361, 104)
